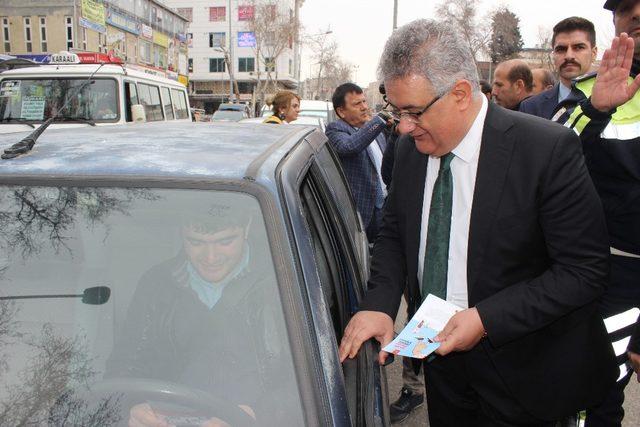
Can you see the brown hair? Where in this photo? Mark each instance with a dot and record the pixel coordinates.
(281, 99)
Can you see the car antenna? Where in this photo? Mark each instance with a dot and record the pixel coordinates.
(26, 144)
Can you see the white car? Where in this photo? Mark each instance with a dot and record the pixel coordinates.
(310, 108)
(302, 120)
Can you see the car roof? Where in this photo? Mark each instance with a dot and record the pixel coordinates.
(155, 150)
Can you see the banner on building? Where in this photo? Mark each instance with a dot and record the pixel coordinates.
(146, 31)
(160, 39)
(93, 16)
(122, 21)
(246, 39)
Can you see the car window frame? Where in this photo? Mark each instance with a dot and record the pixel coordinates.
(312, 397)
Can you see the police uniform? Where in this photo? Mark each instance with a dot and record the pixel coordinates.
(611, 145)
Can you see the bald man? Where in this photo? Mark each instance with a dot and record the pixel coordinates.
(543, 79)
(512, 83)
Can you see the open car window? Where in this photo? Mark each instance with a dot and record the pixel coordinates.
(182, 302)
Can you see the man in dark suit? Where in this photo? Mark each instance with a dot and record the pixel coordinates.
(495, 212)
(360, 143)
(574, 50)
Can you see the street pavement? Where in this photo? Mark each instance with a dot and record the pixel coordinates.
(419, 417)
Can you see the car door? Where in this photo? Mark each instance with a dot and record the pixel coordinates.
(340, 262)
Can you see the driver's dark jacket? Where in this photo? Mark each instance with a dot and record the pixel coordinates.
(230, 350)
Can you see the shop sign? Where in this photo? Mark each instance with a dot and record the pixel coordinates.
(93, 16)
(123, 22)
(160, 39)
(246, 39)
(146, 31)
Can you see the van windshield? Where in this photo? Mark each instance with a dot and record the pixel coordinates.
(33, 101)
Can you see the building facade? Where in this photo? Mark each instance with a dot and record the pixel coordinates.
(145, 33)
(220, 36)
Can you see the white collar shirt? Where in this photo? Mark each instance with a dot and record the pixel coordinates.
(464, 168)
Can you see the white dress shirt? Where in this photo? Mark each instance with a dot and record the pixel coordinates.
(464, 167)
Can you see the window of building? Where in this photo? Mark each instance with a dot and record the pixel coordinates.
(187, 12)
(269, 64)
(5, 35)
(246, 64)
(145, 52)
(84, 39)
(218, 13)
(217, 39)
(190, 65)
(27, 34)
(245, 13)
(43, 33)
(217, 65)
(69, 24)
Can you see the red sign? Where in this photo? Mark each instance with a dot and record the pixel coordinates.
(245, 13)
(98, 58)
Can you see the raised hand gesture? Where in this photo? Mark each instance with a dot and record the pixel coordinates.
(611, 88)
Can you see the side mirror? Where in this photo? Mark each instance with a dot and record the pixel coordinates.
(138, 114)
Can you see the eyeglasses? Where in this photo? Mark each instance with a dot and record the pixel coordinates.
(410, 117)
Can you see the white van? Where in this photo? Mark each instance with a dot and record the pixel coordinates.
(117, 93)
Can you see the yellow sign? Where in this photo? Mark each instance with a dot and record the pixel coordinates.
(160, 39)
(93, 11)
(183, 79)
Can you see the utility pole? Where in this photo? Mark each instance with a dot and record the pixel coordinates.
(395, 14)
(230, 55)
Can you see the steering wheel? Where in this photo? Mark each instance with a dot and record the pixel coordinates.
(133, 391)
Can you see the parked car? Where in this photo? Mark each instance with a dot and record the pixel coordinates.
(310, 108)
(301, 120)
(185, 270)
(231, 112)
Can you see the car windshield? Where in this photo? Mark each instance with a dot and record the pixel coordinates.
(158, 300)
(232, 115)
(35, 100)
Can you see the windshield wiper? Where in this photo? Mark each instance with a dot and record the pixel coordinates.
(17, 119)
(75, 119)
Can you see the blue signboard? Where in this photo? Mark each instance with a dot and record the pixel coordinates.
(122, 21)
(92, 25)
(246, 39)
(40, 59)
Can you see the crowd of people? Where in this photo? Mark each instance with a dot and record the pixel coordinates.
(530, 224)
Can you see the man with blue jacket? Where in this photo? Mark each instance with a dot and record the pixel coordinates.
(360, 141)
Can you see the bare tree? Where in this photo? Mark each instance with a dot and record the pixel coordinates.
(463, 15)
(543, 55)
(274, 31)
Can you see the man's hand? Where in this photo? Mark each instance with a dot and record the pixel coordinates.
(634, 358)
(611, 89)
(461, 333)
(362, 327)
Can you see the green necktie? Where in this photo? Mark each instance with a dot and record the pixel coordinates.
(436, 254)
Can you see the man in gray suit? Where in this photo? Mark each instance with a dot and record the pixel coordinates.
(359, 141)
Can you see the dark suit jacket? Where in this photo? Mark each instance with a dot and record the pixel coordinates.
(537, 260)
(542, 104)
(351, 145)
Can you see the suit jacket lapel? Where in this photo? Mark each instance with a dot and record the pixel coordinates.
(417, 167)
(493, 164)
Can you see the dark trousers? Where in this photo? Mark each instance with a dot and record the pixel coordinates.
(464, 389)
(623, 293)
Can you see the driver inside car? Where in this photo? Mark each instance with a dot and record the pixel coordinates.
(202, 320)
